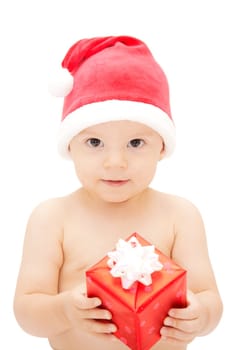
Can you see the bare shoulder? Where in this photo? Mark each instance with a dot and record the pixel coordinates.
(180, 206)
(187, 215)
(46, 210)
(50, 209)
(187, 221)
(48, 216)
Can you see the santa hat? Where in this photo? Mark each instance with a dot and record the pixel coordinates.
(113, 78)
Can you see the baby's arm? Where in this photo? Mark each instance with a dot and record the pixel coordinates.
(190, 250)
(39, 308)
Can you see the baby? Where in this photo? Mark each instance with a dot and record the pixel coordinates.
(116, 127)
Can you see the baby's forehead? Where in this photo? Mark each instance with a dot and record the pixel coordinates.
(119, 125)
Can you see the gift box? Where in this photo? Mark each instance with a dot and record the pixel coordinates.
(138, 301)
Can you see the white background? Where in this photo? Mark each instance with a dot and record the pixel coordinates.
(192, 42)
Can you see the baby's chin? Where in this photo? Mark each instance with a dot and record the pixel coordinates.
(119, 198)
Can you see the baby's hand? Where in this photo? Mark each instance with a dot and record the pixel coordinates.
(183, 325)
(83, 313)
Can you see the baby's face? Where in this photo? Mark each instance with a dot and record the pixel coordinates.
(116, 160)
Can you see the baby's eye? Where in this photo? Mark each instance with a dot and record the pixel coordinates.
(136, 143)
(94, 142)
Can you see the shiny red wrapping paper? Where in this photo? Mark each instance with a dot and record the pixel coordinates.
(139, 312)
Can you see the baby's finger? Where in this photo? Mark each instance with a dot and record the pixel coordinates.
(188, 313)
(82, 302)
(97, 314)
(110, 337)
(94, 326)
(182, 325)
(176, 335)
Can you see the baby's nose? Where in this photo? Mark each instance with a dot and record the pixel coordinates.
(115, 159)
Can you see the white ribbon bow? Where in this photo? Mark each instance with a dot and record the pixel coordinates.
(133, 262)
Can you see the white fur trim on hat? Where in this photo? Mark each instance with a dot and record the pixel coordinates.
(113, 110)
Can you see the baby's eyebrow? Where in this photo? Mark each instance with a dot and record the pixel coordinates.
(89, 134)
(142, 136)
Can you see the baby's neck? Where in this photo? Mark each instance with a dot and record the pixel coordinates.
(133, 203)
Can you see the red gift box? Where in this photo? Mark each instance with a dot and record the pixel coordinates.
(139, 312)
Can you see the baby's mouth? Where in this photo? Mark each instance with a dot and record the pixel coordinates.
(115, 182)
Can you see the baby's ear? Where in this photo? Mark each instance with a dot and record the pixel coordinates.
(162, 151)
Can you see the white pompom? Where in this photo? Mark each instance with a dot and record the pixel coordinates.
(61, 84)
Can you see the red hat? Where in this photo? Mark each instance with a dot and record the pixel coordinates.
(114, 78)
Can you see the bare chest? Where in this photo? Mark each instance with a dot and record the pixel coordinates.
(86, 241)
